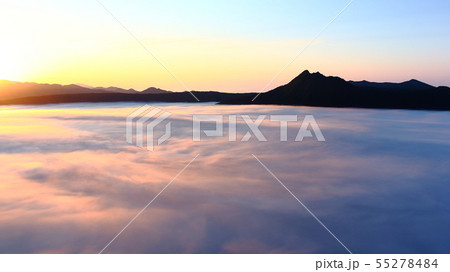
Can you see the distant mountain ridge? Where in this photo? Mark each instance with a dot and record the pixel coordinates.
(153, 90)
(12, 92)
(14, 89)
(407, 85)
(307, 89)
(115, 90)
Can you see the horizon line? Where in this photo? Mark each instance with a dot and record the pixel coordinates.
(87, 86)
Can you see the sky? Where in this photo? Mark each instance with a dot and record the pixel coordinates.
(230, 46)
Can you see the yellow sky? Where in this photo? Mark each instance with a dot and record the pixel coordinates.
(212, 47)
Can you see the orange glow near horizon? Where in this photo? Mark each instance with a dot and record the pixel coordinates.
(223, 66)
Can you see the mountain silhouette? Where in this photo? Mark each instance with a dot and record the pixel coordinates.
(307, 89)
(153, 90)
(412, 84)
(116, 90)
(315, 89)
(13, 89)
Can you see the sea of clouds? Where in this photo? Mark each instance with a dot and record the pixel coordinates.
(69, 183)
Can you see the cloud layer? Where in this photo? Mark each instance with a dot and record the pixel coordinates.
(70, 183)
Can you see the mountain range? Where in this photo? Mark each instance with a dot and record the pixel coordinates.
(315, 89)
(307, 89)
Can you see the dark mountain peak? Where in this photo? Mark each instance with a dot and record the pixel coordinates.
(305, 73)
(329, 91)
(316, 79)
(312, 89)
(153, 90)
(415, 84)
(306, 76)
